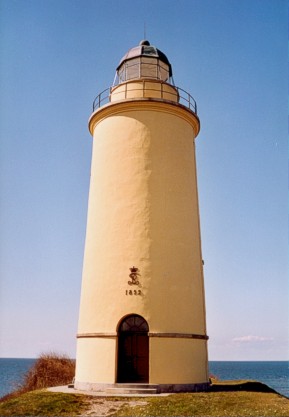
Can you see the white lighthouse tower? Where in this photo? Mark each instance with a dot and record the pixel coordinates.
(142, 319)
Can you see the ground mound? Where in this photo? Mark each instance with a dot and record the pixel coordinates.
(243, 385)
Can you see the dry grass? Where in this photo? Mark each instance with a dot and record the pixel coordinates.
(50, 370)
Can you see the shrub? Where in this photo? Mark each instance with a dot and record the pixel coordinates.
(49, 370)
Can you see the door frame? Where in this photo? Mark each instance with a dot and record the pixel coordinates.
(132, 326)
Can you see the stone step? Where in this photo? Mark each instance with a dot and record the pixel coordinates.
(133, 389)
(118, 391)
(134, 385)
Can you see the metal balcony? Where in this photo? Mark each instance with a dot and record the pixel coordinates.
(143, 91)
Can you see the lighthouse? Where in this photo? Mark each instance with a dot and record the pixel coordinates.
(142, 320)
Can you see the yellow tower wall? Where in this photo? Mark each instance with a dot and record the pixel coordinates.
(143, 212)
(168, 357)
(96, 359)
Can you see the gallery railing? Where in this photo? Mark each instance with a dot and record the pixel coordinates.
(179, 95)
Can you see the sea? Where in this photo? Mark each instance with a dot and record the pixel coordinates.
(274, 374)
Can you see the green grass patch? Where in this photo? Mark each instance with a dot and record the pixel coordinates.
(218, 404)
(205, 404)
(44, 403)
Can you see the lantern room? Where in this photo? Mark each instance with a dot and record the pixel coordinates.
(144, 61)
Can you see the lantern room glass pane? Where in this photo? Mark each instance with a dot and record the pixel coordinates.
(149, 68)
(132, 69)
(143, 67)
(164, 72)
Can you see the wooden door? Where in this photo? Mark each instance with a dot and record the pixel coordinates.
(133, 353)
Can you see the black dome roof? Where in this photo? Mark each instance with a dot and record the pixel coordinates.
(146, 49)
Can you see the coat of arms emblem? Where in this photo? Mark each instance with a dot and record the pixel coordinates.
(134, 274)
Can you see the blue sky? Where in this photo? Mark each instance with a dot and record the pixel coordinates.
(56, 56)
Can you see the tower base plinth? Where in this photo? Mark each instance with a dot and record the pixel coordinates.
(144, 388)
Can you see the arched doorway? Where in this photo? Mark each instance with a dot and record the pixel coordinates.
(133, 350)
